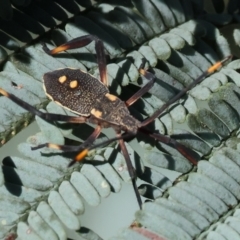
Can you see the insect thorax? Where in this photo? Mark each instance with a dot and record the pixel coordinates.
(112, 112)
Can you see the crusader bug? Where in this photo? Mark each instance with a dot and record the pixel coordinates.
(89, 97)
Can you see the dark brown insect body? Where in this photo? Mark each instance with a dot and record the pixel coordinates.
(85, 95)
(90, 99)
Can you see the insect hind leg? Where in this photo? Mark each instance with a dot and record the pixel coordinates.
(82, 42)
(188, 153)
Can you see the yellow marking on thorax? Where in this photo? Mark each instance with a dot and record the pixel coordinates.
(62, 79)
(96, 113)
(73, 84)
(111, 97)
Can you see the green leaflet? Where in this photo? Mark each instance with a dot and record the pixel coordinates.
(211, 113)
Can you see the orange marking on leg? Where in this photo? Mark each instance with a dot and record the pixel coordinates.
(4, 93)
(142, 71)
(215, 67)
(54, 146)
(59, 49)
(81, 155)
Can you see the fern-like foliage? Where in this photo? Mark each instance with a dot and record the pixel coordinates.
(39, 195)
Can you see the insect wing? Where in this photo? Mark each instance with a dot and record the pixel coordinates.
(73, 89)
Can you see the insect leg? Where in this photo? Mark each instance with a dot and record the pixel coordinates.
(210, 70)
(188, 153)
(68, 148)
(144, 89)
(45, 116)
(80, 156)
(131, 169)
(81, 42)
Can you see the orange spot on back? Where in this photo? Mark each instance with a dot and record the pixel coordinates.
(96, 113)
(73, 84)
(111, 97)
(62, 79)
